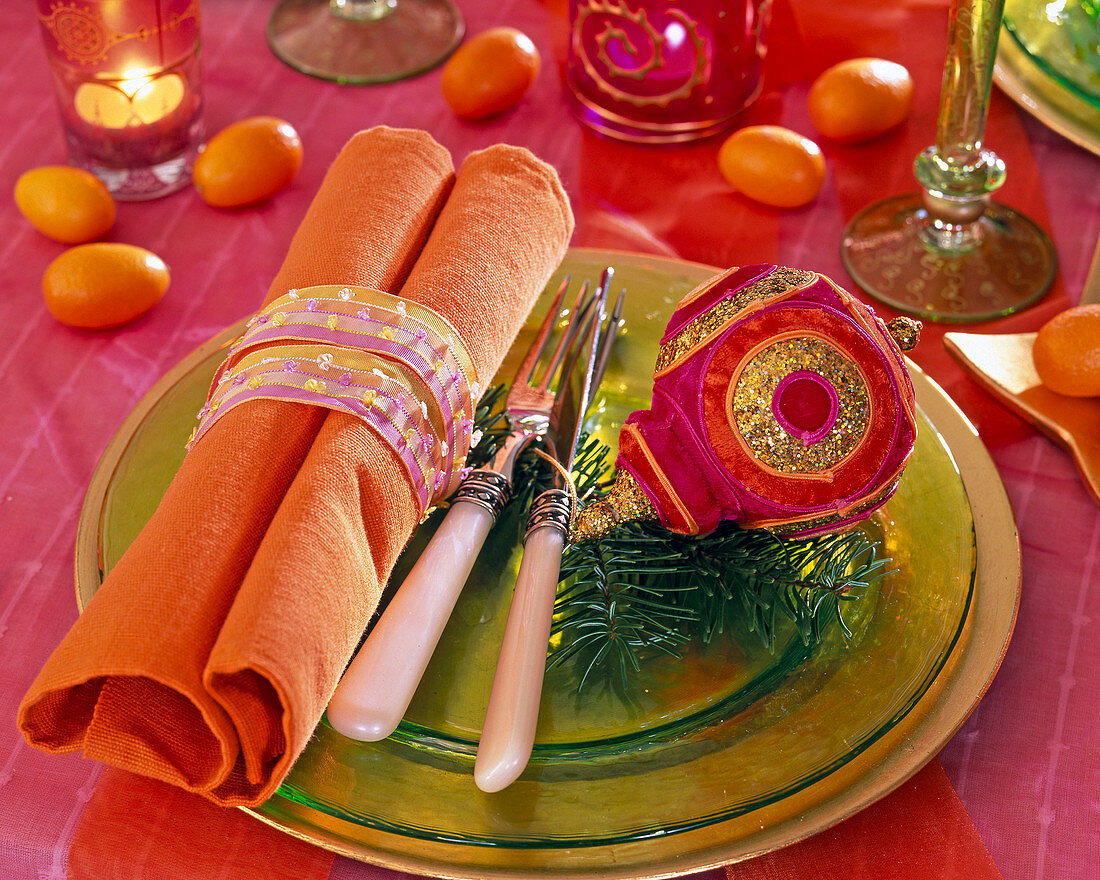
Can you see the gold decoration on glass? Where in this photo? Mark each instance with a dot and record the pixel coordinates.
(364, 41)
(640, 24)
(85, 35)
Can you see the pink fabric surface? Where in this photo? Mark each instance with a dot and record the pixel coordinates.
(1026, 765)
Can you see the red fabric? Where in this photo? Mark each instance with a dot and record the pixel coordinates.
(654, 475)
(846, 482)
(920, 831)
(804, 405)
(137, 828)
(689, 435)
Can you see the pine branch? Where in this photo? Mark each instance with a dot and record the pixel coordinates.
(643, 591)
(490, 424)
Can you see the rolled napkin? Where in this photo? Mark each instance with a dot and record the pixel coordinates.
(210, 651)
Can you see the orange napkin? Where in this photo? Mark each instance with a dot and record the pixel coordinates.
(210, 651)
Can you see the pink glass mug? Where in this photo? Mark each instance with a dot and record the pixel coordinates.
(664, 71)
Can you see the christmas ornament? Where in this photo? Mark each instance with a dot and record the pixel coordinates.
(779, 401)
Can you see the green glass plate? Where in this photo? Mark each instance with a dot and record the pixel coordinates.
(725, 753)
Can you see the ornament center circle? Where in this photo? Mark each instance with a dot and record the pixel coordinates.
(806, 405)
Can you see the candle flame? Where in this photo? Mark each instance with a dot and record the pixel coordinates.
(133, 79)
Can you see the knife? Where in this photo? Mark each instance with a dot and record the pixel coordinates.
(508, 734)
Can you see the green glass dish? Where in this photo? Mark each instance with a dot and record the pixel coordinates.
(727, 752)
(1062, 38)
(1038, 93)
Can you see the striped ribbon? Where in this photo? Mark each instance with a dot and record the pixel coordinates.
(398, 366)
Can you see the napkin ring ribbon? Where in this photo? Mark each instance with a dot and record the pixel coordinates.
(396, 365)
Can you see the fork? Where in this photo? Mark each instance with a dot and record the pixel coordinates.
(378, 686)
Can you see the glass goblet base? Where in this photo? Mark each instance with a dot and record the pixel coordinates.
(406, 38)
(1005, 261)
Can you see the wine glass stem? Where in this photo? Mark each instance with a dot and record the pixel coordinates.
(957, 174)
(967, 79)
(362, 10)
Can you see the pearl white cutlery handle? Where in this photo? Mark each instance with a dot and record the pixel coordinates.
(372, 697)
(509, 731)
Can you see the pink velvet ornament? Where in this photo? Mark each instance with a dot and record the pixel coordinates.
(779, 401)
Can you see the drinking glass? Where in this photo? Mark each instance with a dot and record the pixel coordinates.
(654, 71)
(128, 88)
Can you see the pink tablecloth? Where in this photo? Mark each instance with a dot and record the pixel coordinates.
(1026, 764)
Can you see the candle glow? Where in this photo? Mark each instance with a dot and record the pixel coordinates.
(129, 89)
(137, 99)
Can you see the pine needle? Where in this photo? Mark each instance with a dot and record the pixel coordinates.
(647, 591)
(643, 591)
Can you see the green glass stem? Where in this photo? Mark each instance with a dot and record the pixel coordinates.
(957, 174)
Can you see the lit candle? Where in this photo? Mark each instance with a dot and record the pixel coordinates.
(127, 73)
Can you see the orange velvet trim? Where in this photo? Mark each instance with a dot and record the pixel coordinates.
(633, 448)
(861, 465)
(825, 476)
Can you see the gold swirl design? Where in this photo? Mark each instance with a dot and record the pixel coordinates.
(614, 33)
(83, 35)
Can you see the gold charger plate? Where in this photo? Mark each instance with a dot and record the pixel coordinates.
(725, 754)
(1043, 97)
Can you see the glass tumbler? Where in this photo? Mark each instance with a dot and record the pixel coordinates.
(664, 71)
(127, 79)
